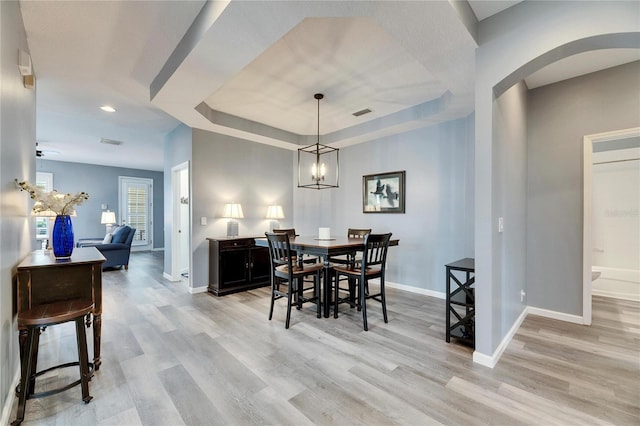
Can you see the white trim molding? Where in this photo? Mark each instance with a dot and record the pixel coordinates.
(561, 316)
(195, 290)
(8, 403)
(491, 360)
(170, 277)
(424, 291)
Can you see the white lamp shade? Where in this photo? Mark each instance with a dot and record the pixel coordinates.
(233, 211)
(108, 218)
(275, 212)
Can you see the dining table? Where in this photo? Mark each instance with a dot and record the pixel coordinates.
(325, 248)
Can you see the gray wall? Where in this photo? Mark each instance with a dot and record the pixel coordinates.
(225, 170)
(437, 226)
(512, 45)
(559, 116)
(101, 183)
(177, 150)
(509, 199)
(17, 149)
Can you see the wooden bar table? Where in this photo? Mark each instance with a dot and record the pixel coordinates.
(325, 248)
(44, 279)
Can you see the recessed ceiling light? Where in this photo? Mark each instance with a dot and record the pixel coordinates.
(108, 108)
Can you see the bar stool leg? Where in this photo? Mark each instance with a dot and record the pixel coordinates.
(83, 357)
(25, 375)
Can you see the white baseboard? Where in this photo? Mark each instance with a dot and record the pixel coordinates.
(170, 277)
(11, 397)
(491, 360)
(195, 290)
(410, 289)
(561, 316)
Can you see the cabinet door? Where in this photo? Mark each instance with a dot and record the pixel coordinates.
(233, 268)
(260, 265)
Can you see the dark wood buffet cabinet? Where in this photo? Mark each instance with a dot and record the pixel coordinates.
(237, 264)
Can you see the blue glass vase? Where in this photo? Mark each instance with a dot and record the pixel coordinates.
(62, 237)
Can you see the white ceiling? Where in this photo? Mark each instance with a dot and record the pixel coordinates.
(250, 69)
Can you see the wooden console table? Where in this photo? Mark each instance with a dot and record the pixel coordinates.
(44, 279)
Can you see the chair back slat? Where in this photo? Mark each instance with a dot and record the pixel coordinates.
(291, 232)
(357, 233)
(279, 249)
(375, 250)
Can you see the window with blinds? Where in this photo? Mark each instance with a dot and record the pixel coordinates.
(138, 211)
(136, 195)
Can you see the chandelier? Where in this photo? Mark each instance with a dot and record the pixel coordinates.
(313, 171)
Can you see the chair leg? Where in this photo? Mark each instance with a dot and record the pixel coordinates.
(363, 303)
(83, 358)
(383, 299)
(273, 297)
(25, 376)
(299, 293)
(336, 294)
(289, 301)
(352, 292)
(34, 360)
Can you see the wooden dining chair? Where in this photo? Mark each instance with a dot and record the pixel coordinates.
(373, 265)
(286, 271)
(351, 233)
(345, 259)
(291, 232)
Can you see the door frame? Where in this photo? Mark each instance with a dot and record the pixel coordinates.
(150, 218)
(175, 225)
(589, 141)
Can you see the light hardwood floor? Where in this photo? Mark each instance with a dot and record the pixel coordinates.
(172, 358)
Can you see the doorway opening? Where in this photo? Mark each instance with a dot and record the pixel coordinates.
(594, 143)
(181, 229)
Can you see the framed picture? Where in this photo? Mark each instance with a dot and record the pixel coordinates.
(383, 193)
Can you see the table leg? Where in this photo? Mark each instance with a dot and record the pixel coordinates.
(327, 287)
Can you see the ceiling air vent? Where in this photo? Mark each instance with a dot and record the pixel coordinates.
(361, 112)
(110, 141)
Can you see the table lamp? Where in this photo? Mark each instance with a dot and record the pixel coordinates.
(108, 218)
(274, 213)
(232, 211)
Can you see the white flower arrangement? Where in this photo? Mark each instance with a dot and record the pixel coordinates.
(61, 204)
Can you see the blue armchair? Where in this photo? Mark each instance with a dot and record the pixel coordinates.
(117, 251)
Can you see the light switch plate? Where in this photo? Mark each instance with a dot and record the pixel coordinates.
(203, 221)
(500, 224)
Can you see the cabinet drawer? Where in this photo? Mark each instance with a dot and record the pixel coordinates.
(240, 243)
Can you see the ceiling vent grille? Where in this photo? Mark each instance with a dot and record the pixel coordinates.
(110, 142)
(361, 112)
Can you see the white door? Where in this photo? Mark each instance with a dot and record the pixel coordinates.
(181, 223)
(136, 209)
